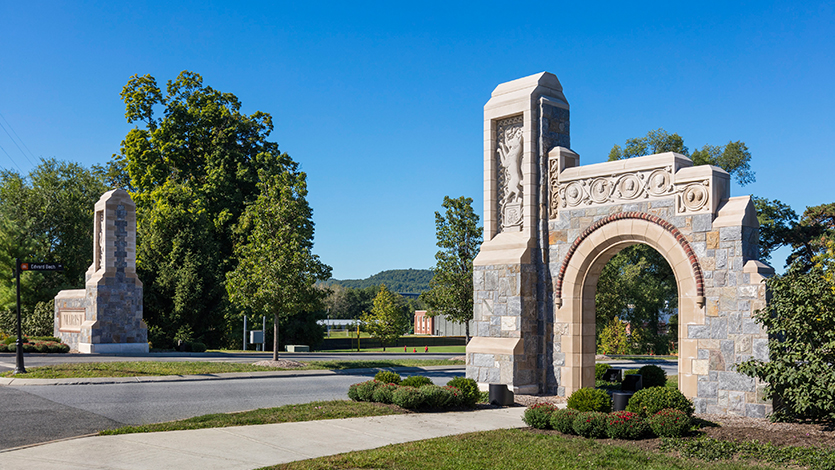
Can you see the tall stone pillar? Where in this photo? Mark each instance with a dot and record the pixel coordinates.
(107, 318)
(523, 120)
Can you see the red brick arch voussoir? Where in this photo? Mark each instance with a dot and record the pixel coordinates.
(680, 238)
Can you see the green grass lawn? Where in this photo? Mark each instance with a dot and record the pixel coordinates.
(152, 368)
(336, 409)
(508, 450)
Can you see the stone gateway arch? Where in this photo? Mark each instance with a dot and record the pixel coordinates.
(551, 225)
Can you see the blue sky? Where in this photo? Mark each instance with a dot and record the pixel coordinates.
(382, 104)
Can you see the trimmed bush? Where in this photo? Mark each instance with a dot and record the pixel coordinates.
(388, 377)
(3, 347)
(539, 415)
(469, 390)
(669, 423)
(435, 396)
(563, 420)
(590, 424)
(363, 391)
(408, 397)
(46, 339)
(600, 369)
(353, 394)
(416, 381)
(649, 401)
(590, 399)
(384, 392)
(653, 376)
(198, 347)
(630, 372)
(626, 425)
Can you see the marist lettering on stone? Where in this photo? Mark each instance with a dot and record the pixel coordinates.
(509, 152)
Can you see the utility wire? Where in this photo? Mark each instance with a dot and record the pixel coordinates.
(18, 137)
(15, 142)
(11, 159)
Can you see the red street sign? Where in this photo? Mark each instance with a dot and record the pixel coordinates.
(41, 267)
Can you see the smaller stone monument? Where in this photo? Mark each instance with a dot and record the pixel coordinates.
(106, 316)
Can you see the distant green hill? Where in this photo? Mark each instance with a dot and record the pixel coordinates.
(397, 280)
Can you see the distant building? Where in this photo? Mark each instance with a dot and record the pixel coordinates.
(438, 325)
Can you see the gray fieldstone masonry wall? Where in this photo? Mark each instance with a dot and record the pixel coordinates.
(550, 226)
(106, 316)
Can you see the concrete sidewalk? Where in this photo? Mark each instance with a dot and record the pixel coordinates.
(248, 447)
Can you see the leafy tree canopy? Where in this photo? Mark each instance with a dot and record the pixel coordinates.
(733, 157)
(277, 270)
(459, 239)
(192, 169)
(385, 320)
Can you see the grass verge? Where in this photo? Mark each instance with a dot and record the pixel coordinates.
(508, 449)
(154, 368)
(336, 409)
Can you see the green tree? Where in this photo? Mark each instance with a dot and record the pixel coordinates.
(613, 338)
(812, 235)
(459, 239)
(45, 216)
(733, 157)
(777, 221)
(637, 285)
(800, 320)
(192, 171)
(385, 320)
(277, 270)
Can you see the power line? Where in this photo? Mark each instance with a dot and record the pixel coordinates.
(18, 137)
(11, 160)
(15, 142)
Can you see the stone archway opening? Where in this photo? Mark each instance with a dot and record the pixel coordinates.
(636, 304)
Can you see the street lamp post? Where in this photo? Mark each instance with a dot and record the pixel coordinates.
(18, 368)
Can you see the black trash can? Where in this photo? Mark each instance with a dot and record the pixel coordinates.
(620, 400)
(632, 383)
(500, 395)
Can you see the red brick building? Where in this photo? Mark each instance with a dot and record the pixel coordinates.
(424, 325)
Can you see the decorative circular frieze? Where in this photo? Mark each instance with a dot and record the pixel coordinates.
(658, 182)
(573, 193)
(694, 197)
(599, 190)
(629, 186)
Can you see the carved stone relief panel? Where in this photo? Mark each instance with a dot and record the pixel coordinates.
(694, 197)
(509, 147)
(611, 188)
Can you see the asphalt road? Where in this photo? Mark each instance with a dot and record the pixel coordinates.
(7, 360)
(35, 414)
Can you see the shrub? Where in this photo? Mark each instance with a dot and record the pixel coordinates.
(353, 392)
(3, 347)
(625, 425)
(363, 391)
(669, 423)
(407, 397)
(49, 339)
(416, 381)
(630, 372)
(468, 388)
(539, 415)
(600, 369)
(649, 401)
(590, 424)
(435, 396)
(800, 320)
(384, 392)
(387, 377)
(653, 376)
(198, 347)
(563, 420)
(590, 399)
(42, 347)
